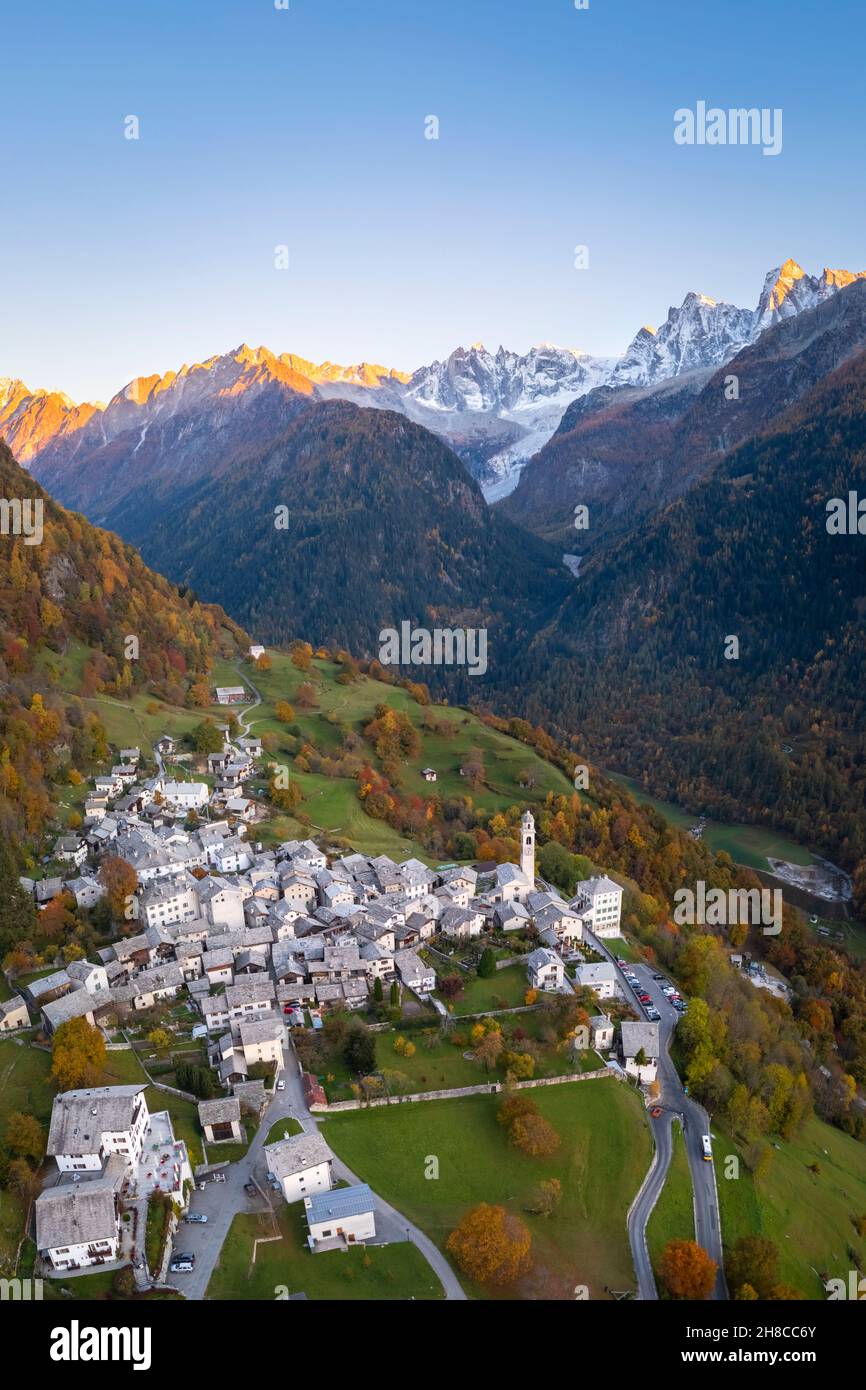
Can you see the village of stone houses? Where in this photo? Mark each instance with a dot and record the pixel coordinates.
(300, 1049)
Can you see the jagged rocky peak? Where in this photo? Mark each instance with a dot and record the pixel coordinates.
(704, 332)
(474, 379)
(789, 290)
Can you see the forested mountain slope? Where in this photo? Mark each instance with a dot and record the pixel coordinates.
(636, 659)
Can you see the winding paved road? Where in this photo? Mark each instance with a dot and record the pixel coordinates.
(243, 719)
(695, 1123)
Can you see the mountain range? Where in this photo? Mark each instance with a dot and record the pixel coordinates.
(625, 451)
(639, 660)
(495, 410)
(683, 452)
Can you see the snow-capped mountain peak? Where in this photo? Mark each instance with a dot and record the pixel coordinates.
(789, 290)
(475, 379)
(705, 332)
(702, 332)
(494, 408)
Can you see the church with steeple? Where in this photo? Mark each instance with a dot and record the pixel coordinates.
(513, 882)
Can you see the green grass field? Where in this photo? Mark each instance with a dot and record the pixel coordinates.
(809, 1216)
(331, 803)
(24, 1086)
(504, 990)
(99, 1288)
(377, 1272)
(445, 1066)
(850, 935)
(619, 946)
(673, 1216)
(279, 1130)
(746, 844)
(604, 1153)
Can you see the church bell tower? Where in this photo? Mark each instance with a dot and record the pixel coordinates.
(527, 846)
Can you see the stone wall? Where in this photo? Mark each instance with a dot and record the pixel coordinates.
(489, 1088)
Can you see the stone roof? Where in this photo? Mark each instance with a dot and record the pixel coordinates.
(76, 1214)
(167, 976)
(264, 1030)
(329, 993)
(80, 1118)
(224, 1110)
(591, 887)
(74, 1005)
(509, 873)
(232, 1065)
(542, 956)
(410, 963)
(213, 1004)
(250, 1093)
(11, 1006)
(48, 983)
(640, 1035)
(250, 991)
(342, 958)
(297, 1154)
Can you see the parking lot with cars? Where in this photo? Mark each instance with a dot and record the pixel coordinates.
(197, 1237)
(641, 992)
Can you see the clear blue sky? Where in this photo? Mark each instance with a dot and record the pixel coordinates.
(305, 127)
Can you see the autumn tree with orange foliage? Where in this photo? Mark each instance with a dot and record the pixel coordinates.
(120, 881)
(534, 1135)
(686, 1270)
(491, 1245)
(78, 1055)
(527, 1128)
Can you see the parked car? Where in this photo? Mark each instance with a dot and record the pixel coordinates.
(250, 1189)
(281, 1085)
(202, 1185)
(219, 1177)
(196, 1217)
